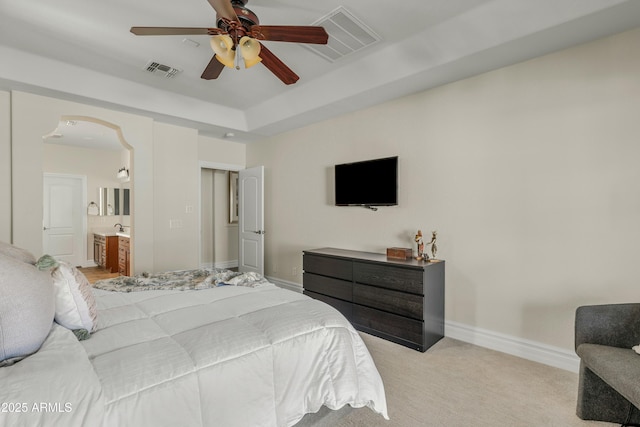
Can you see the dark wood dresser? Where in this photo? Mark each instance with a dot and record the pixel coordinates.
(401, 301)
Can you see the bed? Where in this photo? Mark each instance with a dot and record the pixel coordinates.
(244, 353)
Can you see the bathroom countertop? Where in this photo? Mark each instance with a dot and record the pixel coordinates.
(105, 233)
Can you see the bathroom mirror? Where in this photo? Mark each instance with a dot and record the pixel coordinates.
(125, 201)
(107, 197)
(113, 201)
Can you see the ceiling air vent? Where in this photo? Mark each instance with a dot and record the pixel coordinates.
(161, 69)
(347, 35)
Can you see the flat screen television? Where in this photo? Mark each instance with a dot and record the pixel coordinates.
(367, 183)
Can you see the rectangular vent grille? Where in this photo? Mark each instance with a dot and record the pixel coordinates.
(347, 35)
(161, 69)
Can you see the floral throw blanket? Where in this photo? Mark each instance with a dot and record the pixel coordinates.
(181, 280)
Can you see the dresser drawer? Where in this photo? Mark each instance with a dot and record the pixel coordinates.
(396, 302)
(387, 276)
(327, 266)
(123, 242)
(387, 323)
(327, 286)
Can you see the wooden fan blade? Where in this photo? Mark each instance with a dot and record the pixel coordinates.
(277, 67)
(290, 33)
(173, 31)
(224, 9)
(213, 69)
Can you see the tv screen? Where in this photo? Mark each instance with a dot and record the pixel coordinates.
(367, 183)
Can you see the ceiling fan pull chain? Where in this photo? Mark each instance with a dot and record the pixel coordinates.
(237, 59)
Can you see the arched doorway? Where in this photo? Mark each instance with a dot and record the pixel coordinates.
(95, 151)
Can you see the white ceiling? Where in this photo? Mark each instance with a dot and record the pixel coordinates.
(83, 50)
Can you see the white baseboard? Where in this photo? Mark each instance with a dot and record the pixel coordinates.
(526, 349)
(221, 264)
(226, 264)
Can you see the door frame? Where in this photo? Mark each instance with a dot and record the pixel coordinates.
(202, 164)
(81, 207)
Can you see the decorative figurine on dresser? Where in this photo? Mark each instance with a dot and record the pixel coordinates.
(420, 243)
(400, 300)
(434, 248)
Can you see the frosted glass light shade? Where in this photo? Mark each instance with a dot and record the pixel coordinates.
(222, 45)
(250, 50)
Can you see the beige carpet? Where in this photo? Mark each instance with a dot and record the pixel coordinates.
(459, 384)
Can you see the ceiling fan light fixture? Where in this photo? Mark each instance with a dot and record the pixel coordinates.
(222, 45)
(250, 63)
(250, 50)
(234, 21)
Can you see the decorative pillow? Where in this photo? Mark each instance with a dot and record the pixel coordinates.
(75, 303)
(27, 307)
(17, 253)
(46, 262)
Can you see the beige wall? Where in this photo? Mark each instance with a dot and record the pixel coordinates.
(176, 197)
(99, 166)
(5, 166)
(529, 173)
(221, 151)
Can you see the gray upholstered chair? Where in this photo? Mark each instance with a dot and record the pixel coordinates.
(609, 382)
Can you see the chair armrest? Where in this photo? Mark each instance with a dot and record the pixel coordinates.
(616, 325)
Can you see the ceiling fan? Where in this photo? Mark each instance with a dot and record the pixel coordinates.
(238, 28)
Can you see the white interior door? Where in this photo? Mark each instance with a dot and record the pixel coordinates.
(64, 220)
(251, 220)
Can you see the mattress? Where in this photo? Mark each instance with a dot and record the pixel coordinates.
(224, 356)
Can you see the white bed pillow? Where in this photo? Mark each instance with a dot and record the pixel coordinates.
(75, 303)
(26, 307)
(17, 253)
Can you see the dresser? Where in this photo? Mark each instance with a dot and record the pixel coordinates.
(398, 300)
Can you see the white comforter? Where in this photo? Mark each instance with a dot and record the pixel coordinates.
(227, 356)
